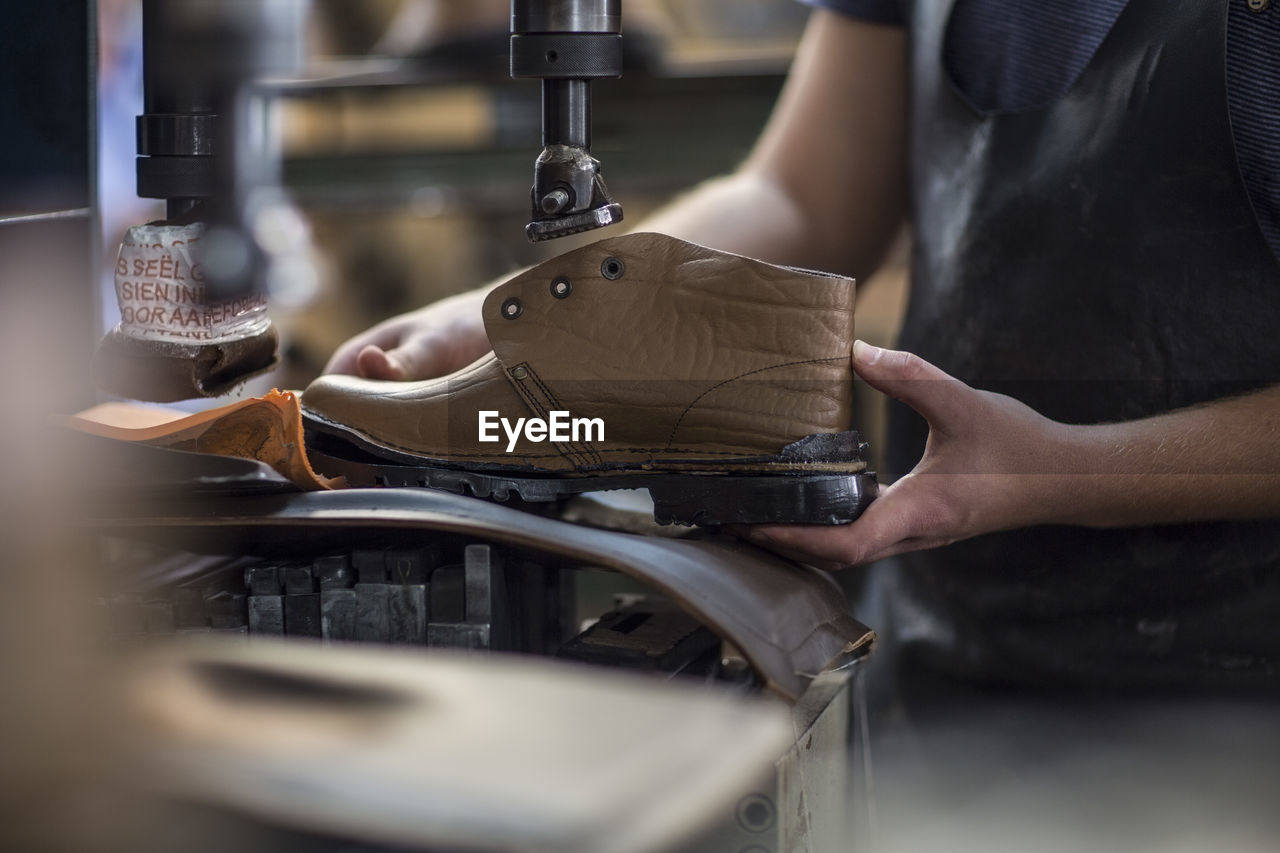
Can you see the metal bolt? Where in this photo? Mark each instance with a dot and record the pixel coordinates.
(1258, 5)
(555, 201)
(519, 373)
(756, 813)
(613, 269)
(512, 308)
(561, 288)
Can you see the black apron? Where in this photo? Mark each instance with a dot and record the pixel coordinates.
(1099, 260)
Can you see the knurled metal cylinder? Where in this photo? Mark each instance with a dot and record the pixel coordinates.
(566, 16)
(566, 56)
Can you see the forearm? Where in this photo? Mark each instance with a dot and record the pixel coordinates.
(825, 186)
(992, 463)
(739, 213)
(1220, 460)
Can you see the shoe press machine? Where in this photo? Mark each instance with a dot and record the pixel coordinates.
(204, 146)
(211, 545)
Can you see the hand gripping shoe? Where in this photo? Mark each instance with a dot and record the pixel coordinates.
(719, 383)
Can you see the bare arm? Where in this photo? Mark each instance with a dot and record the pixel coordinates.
(824, 188)
(1220, 460)
(826, 184)
(992, 463)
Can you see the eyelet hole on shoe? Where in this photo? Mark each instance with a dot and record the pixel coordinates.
(519, 373)
(561, 288)
(612, 269)
(512, 308)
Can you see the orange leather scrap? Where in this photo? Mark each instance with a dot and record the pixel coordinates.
(267, 429)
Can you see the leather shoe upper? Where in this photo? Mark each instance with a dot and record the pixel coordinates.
(689, 356)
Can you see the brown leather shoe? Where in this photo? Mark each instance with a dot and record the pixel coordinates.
(720, 383)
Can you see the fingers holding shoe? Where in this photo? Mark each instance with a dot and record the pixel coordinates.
(990, 463)
(913, 514)
(422, 344)
(345, 358)
(423, 353)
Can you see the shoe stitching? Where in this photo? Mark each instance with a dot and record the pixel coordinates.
(575, 457)
(689, 408)
(588, 455)
(538, 409)
(586, 451)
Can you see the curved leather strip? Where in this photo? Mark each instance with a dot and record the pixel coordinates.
(789, 621)
(267, 429)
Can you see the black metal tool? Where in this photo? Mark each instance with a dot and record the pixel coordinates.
(567, 44)
(203, 142)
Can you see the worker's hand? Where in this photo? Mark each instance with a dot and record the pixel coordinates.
(423, 344)
(990, 464)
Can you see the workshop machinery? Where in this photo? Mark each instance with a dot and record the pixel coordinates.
(191, 550)
(208, 546)
(207, 147)
(567, 44)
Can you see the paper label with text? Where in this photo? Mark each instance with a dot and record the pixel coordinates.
(160, 289)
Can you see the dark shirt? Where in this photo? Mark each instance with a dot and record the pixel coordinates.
(1085, 242)
(1008, 56)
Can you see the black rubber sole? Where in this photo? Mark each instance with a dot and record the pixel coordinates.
(678, 498)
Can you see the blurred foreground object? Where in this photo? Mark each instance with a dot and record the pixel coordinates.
(450, 751)
(64, 761)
